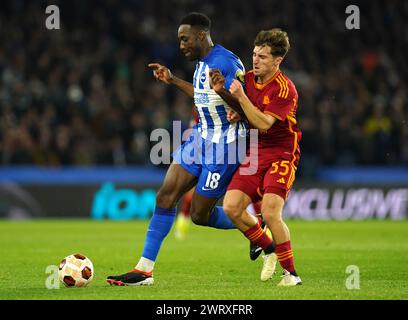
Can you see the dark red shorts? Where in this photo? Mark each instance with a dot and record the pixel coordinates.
(274, 173)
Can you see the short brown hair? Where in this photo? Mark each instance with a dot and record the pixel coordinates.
(276, 39)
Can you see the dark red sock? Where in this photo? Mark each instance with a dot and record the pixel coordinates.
(258, 237)
(285, 256)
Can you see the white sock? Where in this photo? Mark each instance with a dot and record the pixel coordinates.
(145, 265)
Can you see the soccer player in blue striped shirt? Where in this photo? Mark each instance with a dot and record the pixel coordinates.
(210, 156)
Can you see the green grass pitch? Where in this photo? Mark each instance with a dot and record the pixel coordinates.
(209, 264)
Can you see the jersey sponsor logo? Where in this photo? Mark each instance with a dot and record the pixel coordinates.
(201, 98)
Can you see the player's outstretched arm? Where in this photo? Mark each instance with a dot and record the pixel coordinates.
(163, 74)
(217, 82)
(256, 117)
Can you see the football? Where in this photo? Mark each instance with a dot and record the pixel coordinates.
(76, 270)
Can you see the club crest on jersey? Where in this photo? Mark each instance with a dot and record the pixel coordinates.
(265, 100)
(203, 77)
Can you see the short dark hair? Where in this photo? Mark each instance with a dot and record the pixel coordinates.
(275, 38)
(197, 19)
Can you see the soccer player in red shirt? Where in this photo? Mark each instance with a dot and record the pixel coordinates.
(269, 102)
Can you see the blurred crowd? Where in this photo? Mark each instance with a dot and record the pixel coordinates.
(83, 95)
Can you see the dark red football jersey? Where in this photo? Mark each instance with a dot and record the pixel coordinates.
(279, 98)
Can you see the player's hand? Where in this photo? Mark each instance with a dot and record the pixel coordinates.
(217, 80)
(161, 72)
(233, 116)
(236, 89)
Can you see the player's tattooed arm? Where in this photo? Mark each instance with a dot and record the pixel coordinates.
(217, 82)
(163, 74)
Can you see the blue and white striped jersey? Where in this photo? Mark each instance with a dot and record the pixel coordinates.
(212, 109)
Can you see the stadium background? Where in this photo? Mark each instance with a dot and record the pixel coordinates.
(77, 105)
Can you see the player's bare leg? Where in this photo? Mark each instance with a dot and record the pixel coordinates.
(272, 207)
(177, 182)
(235, 204)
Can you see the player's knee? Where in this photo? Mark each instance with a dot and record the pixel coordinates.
(233, 210)
(272, 209)
(198, 218)
(272, 216)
